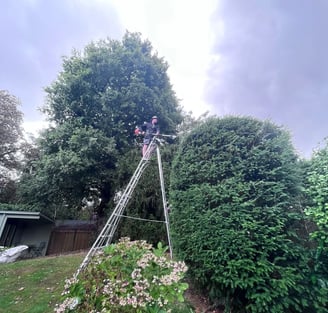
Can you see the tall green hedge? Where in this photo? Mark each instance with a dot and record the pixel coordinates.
(317, 210)
(234, 184)
(317, 176)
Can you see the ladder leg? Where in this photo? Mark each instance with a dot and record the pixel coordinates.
(161, 176)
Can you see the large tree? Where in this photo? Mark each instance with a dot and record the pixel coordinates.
(234, 193)
(114, 86)
(99, 97)
(11, 134)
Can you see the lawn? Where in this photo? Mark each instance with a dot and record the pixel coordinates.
(35, 285)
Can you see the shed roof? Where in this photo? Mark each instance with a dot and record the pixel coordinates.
(22, 215)
(26, 215)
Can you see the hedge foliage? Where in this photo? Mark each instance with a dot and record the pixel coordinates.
(317, 176)
(234, 186)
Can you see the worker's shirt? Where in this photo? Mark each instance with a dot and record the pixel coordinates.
(150, 129)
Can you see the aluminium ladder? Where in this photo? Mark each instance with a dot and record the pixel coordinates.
(106, 235)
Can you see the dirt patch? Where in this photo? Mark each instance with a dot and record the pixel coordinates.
(199, 301)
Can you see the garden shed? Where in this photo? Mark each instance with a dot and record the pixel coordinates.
(25, 228)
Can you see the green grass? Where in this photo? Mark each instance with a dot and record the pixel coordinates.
(35, 285)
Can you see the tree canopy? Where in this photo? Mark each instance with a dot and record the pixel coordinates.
(114, 86)
(10, 127)
(94, 105)
(11, 134)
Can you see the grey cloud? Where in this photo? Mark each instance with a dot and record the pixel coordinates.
(272, 64)
(36, 34)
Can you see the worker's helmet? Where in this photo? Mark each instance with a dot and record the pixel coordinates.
(154, 117)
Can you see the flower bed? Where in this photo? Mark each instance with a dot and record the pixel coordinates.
(130, 276)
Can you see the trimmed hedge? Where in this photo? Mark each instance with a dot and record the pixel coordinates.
(234, 184)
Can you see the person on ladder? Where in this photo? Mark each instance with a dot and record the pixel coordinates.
(149, 130)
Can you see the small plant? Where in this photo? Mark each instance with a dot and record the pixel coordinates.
(130, 276)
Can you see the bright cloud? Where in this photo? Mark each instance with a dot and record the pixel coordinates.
(180, 32)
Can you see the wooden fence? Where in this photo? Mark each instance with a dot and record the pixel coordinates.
(66, 239)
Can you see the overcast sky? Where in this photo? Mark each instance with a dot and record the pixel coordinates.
(263, 58)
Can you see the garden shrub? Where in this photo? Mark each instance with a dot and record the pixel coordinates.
(317, 211)
(129, 276)
(317, 190)
(234, 185)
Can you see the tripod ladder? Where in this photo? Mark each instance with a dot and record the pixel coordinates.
(106, 235)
